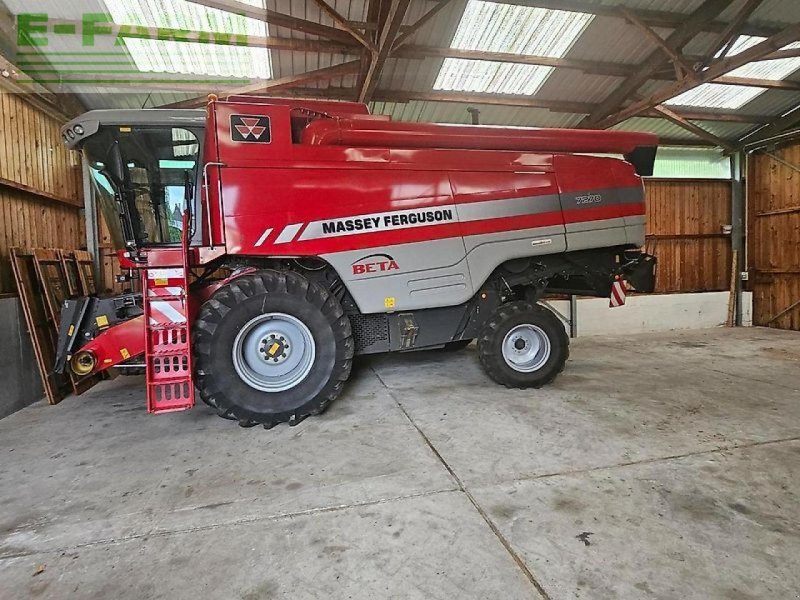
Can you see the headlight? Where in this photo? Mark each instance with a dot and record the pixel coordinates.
(78, 129)
(70, 134)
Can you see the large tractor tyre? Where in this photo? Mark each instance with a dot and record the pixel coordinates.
(271, 347)
(523, 345)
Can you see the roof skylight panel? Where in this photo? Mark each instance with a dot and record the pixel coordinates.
(715, 95)
(166, 56)
(494, 27)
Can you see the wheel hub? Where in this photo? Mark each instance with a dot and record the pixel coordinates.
(273, 352)
(274, 348)
(526, 348)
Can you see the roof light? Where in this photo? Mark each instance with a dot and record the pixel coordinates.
(192, 58)
(715, 95)
(494, 27)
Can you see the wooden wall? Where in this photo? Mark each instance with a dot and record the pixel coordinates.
(41, 193)
(684, 231)
(774, 236)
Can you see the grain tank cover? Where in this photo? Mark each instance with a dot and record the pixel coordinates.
(355, 131)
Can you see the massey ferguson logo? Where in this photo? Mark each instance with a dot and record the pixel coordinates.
(250, 129)
(375, 263)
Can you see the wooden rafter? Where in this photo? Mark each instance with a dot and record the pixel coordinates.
(375, 18)
(281, 83)
(727, 37)
(707, 11)
(717, 69)
(388, 35)
(587, 66)
(125, 31)
(770, 84)
(673, 117)
(345, 24)
(406, 35)
(678, 60)
(278, 19)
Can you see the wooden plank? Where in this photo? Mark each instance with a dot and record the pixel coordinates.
(684, 219)
(774, 244)
(72, 273)
(85, 272)
(55, 290)
(42, 335)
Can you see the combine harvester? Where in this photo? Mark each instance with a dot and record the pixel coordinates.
(276, 239)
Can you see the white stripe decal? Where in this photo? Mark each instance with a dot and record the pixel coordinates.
(164, 291)
(166, 309)
(288, 233)
(264, 236)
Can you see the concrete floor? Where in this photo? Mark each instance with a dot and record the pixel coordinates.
(659, 466)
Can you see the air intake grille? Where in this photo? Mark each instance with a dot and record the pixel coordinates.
(371, 332)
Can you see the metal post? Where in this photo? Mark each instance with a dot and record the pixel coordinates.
(90, 215)
(738, 223)
(573, 316)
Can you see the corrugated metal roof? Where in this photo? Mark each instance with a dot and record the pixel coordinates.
(162, 56)
(493, 27)
(603, 39)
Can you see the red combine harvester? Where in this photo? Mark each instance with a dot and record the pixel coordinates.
(275, 239)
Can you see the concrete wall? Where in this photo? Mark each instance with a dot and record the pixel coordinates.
(20, 384)
(655, 312)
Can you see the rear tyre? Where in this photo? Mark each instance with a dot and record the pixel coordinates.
(270, 348)
(523, 345)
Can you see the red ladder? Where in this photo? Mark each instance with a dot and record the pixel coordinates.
(168, 347)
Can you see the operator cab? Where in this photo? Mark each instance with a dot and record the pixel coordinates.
(145, 169)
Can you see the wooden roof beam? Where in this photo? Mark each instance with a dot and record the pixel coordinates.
(708, 10)
(678, 60)
(673, 117)
(388, 34)
(717, 69)
(344, 24)
(289, 81)
(278, 19)
(727, 37)
(408, 33)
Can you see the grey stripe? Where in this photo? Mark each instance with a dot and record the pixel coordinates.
(605, 197)
(510, 207)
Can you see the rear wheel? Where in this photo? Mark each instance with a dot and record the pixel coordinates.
(523, 345)
(270, 348)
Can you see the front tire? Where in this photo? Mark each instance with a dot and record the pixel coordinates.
(271, 347)
(523, 345)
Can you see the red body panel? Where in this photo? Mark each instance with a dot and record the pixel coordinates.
(117, 344)
(361, 132)
(269, 187)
